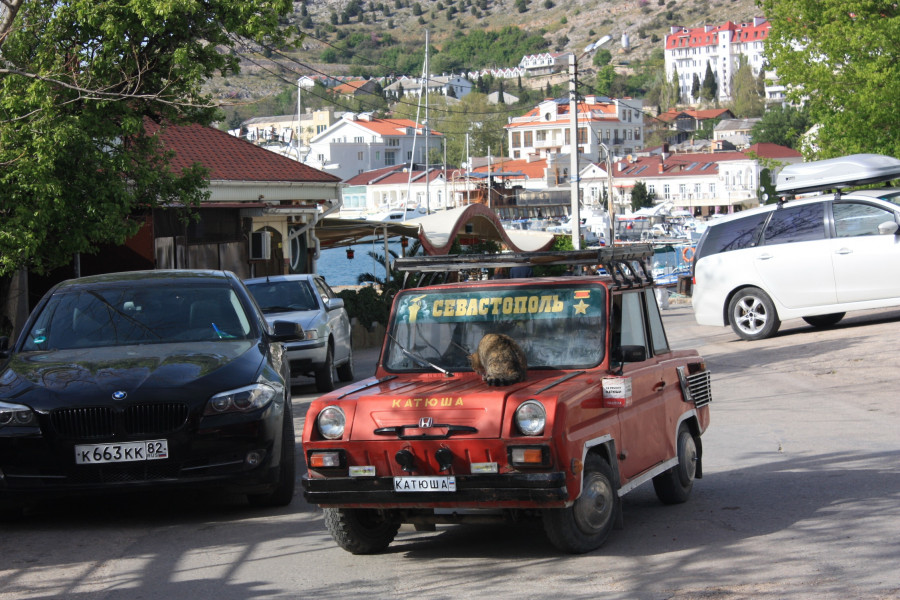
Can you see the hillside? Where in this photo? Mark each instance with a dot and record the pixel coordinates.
(564, 24)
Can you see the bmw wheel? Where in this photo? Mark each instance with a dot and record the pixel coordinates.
(752, 314)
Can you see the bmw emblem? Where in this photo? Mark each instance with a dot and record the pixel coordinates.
(119, 395)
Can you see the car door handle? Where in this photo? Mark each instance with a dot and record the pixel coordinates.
(765, 256)
(844, 251)
(659, 386)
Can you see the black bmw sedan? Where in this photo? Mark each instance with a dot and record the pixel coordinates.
(147, 379)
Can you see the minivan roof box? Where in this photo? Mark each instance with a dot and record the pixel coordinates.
(836, 173)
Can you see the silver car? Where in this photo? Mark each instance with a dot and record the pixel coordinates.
(307, 300)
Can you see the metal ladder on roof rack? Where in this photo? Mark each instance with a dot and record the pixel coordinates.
(628, 266)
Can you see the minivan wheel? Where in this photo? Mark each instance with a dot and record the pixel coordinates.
(824, 320)
(752, 314)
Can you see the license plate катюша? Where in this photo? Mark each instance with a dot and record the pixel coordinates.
(90, 454)
(425, 484)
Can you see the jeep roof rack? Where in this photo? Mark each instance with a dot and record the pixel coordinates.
(627, 265)
(836, 173)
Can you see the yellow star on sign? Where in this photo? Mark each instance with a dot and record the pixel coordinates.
(581, 308)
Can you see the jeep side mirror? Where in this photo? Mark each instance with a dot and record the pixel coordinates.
(887, 228)
(629, 354)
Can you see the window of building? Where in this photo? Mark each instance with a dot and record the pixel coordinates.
(697, 187)
(390, 158)
(666, 191)
(540, 136)
(359, 156)
(682, 189)
(393, 142)
(358, 139)
(516, 139)
(527, 139)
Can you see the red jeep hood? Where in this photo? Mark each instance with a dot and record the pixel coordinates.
(466, 402)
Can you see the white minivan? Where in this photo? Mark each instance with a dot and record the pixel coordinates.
(814, 258)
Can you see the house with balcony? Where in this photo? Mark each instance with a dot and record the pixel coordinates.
(399, 187)
(546, 129)
(544, 63)
(358, 143)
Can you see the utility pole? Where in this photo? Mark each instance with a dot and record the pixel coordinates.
(575, 213)
(468, 168)
(427, 79)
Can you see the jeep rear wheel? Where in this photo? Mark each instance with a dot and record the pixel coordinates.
(674, 485)
(586, 524)
(752, 314)
(361, 530)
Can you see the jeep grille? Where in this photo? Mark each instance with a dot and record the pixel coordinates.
(697, 387)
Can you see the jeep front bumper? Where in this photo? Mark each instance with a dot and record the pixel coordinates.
(510, 490)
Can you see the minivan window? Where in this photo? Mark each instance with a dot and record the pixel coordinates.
(796, 224)
(853, 219)
(731, 235)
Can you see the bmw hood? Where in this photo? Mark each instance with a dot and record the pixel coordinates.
(151, 371)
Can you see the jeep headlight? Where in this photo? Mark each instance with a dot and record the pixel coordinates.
(242, 399)
(16, 415)
(331, 421)
(531, 416)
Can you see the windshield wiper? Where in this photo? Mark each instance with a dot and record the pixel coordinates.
(418, 359)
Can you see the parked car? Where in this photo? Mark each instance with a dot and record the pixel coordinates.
(310, 302)
(814, 258)
(150, 379)
(509, 400)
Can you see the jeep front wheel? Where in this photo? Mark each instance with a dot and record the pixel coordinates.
(674, 485)
(361, 530)
(586, 524)
(752, 314)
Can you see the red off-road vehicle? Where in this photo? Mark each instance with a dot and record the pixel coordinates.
(606, 405)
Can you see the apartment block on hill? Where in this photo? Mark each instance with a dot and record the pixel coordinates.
(690, 49)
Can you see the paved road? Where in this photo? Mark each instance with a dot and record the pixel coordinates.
(800, 499)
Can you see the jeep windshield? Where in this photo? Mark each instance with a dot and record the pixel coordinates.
(559, 327)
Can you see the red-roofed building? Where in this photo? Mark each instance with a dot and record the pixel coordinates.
(689, 50)
(546, 128)
(359, 142)
(354, 89)
(253, 194)
(380, 191)
(683, 123)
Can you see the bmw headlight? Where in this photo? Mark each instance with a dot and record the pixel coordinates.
(531, 417)
(243, 399)
(16, 415)
(331, 421)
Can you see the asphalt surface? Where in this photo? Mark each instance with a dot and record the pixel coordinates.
(800, 499)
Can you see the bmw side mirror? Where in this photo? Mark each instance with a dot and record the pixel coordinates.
(334, 304)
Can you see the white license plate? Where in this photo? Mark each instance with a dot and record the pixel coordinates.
(90, 454)
(425, 483)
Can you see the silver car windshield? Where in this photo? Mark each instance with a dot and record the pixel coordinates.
(557, 327)
(117, 316)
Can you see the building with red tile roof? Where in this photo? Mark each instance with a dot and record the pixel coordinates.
(252, 194)
(690, 50)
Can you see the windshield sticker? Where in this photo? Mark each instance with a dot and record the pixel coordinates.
(492, 305)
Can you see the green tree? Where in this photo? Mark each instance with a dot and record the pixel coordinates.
(606, 76)
(602, 57)
(745, 98)
(841, 58)
(709, 91)
(640, 197)
(783, 125)
(695, 86)
(73, 102)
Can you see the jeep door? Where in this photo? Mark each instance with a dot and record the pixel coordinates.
(793, 259)
(866, 262)
(644, 440)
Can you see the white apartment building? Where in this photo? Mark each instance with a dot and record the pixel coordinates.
(689, 50)
(545, 62)
(455, 86)
(359, 142)
(393, 188)
(546, 129)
